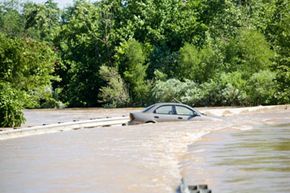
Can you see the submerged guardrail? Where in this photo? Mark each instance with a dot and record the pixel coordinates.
(59, 127)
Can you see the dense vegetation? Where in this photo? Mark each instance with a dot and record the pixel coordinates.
(131, 53)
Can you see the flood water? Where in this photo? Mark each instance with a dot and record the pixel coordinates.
(244, 153)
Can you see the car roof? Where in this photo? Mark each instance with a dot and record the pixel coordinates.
(168, 103)
(152, 107)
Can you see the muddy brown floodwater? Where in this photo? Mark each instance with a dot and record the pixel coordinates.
(243, 153)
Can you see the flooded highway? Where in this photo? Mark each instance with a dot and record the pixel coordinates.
(244, 153)
(254, 158)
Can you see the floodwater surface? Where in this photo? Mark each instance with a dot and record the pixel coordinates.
(245, 153)
(254, 158)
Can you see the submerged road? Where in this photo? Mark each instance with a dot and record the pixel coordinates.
(153, 158)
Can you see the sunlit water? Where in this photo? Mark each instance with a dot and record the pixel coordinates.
(241, 154)
(253, 159)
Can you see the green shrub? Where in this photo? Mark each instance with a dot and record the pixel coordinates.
(228, 89)
(115, 93)
(233, 89)
(211, 93)
(249, 52)
(27, 65)
(168, 91)
(132, 62)
(282, 82)
(174, 90)
(197, 64)
(11, 106)
(223, 91)
(192, 93)
(261, 88)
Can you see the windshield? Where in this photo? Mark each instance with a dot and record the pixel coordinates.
(148, 108)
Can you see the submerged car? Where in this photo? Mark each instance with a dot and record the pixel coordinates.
(163, 112)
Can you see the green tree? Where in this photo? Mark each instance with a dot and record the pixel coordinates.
(249, 53)
(210, 47)
(197, 64)
(11, 106)
(278, 33)
(256, 14)
(133, 59)
(115, 94)
(223, 18)
(42, 21)
(26, 64)
(261, 88)
(169, 90)
(82, 53)
(11, 21)
(26, 68)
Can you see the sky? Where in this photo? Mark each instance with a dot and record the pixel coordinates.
(61, 3)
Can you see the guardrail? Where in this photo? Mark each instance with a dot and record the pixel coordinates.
(67, 126)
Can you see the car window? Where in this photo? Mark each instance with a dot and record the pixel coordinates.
(180, 110)
(164, 110)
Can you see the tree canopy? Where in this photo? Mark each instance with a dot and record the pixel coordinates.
(134, 53)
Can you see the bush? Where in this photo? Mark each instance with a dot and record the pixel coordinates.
(197, 64)
(11, 106)
(233, 89)
(166, 91)
(192, 94)
(27, 65)
(187, 92)
(261, 88)
(229, 89)
(115, 94)
(249, 53)
(211, 93)
(282, 82)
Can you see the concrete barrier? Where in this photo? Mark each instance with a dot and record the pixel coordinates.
(53, 128)
(198, 188)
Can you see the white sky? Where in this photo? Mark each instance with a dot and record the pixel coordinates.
(61, 3)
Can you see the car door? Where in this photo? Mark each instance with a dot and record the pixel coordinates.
(164, 113)
(184, 113)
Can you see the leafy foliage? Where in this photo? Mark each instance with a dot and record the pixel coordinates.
(261, 88)
(42, 20)
(11, 105)
(133, 58)
(11, 21)
(82, 53)
(278, 33)
(228, 89)
(115, 94)
(26, 66)
(199, 52)
(249, 52)
(197, 65)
